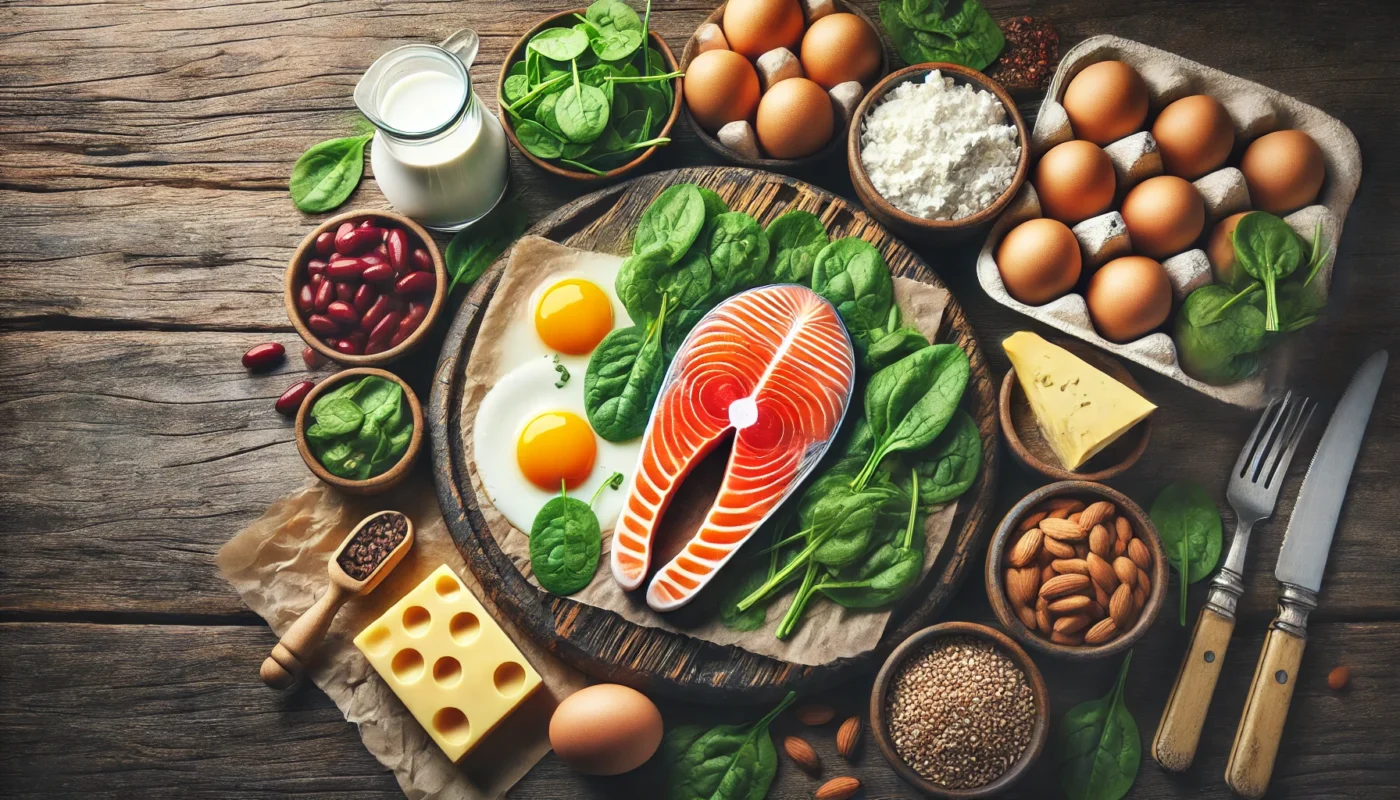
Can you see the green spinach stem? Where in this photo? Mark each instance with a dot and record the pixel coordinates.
(788, 570)
(643, 78)
(535, 92)
(799, 602)
(614, 480)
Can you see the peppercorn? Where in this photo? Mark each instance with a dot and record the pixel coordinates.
(1031, 54)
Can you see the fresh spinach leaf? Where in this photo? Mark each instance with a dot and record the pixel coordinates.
(1098, 749)
(538, 140)
(1218, 337)
(795, 239)
(582, 111)
(727, 762)
(474, 249)
(565, 542)
(1268, 249)
(338, 417)
(883, 348)
(949, 467)
(623, 378)
(909, 403)
(616, 45)
(737, 250)
(327, 173)
(612, 15)
(689, 283)
(714, 204)
(515, 88)
(756, 616)
(889, 572)
(638, 284)
(959, 31)
(560, 44)
(1184, 511)
(671, 223)
(852, 274)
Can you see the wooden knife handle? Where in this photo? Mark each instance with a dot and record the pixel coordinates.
(1270, 693)
(1179, 732)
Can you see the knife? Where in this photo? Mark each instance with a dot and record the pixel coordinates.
(1299, 572)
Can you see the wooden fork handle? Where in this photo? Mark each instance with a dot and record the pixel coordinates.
(1179, 732)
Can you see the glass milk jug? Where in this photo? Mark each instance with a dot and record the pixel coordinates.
(438, 156)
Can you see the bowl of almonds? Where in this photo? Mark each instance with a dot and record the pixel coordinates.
(1076, 570)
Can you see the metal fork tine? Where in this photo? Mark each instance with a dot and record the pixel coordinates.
(1268, 442)
(1295, 435)
(1247, 452)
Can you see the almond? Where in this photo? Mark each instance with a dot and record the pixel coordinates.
(1096, 513)
(1062, 529)
(1126, 570)
(1104, 630)
(1102, 597)
(1026, 548)
(848, 737)
(1139, 600)
(1067, 504)
(1064, 566)
(1057, 548)
(1047, 572)
(1027, 616)
(1144, 582)
(1100, 541)
(1124, 529)
(837, 789)
(1044, 557)
(1097, 611)
(1021, 585)
(1074, 623)
(814, 714)
(1137, 552)
(1042, 617)
(1120, 607)
(1081, 549)
(1061, 585)
(1070, 604)
(1118, 550)
(802, 754)
(1073, 518)
(1102, 573)
(1072, 639)
(1032, 521)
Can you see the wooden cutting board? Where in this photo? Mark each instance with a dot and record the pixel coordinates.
(602, 643)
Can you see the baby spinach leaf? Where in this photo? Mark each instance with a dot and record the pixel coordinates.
(754, 618)
(683, 322)
(795, 239)
(727, 762)
(515, 88)
(560, 44)
(889, 572)
(538, 140)
(852, 274)
(326, 175)
(582, 112)
(338, 417)
(612, 15)
(1267, 248)
(714, 204)
(474, 249)
(1098, 749)
(1185, 512)
(623, 378)
(638, 284)
(565, 542)
(689, 283)
(372, 392)
(910, 402)
(949, 466)
(616, 45)
(883, 348)
(959, 31)
(671, 223)
(1218, 341)
(737, 250)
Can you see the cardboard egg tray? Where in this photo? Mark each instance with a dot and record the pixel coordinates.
(1255, 110)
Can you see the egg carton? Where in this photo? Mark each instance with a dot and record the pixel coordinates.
(1255, 110)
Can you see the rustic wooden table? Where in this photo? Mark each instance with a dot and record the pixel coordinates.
(144, 155)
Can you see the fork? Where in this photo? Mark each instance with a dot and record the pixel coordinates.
(1252, 493)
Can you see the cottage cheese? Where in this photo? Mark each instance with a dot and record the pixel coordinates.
(939, 149)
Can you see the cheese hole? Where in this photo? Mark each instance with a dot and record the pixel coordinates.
(416, 621)
(407, 665)
(464, 627)
(447, 671)
(510, 679)
(451, 724)
(447, 587)
(377, 641)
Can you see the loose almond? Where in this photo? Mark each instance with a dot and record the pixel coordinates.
(802, 754)
(1070, 604)
(814, 713)
(1126, 570)
(1027, 616)
(1100, 541)
(1081, 549)
(1071, 639)
(1120, 607)
(1061, 585)
(1096, 513)
(838, 789)
(1064, 566)
(1139, 600)
(1104, 630)
(1063, 529)
(1057, 548)
(1026, 548)
(1118, 550)
(1032, 521)
(1022, 585)
(1074, 518)
(1123, 528)
(848, 738)
(1137, 552)
(1102, 573)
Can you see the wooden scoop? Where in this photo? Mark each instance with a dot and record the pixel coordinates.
(289, 656)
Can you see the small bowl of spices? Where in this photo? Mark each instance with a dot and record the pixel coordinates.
(938, 151)
(1076, 570)
(959, 710)
(360, 430)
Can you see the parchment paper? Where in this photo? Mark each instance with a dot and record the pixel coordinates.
(828, 631)
(278, 566)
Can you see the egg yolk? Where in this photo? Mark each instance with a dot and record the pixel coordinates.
(573, 316)
(556, 447)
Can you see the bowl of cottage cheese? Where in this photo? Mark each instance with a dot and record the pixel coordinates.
(937, 151)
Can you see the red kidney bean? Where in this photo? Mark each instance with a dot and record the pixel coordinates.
(343, 313)
(377, 273)
(376, 312)
(364, 298)
(347, 347)
(372, 258)
(325, 293)
(384, 329)
(357, 240)
(341, 268)
(374, 346)
(306, 298)
(344, 291)
(366, 222)
(358, 337)
(322, 325)
(421, 259)
(383, 249)
(325, 243)
(292, 399)
(416, 313)
(397, 246)
(264, 356)
(315, 266)
(311, 358)
(416, 282)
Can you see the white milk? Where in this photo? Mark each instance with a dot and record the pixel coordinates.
(448, 181)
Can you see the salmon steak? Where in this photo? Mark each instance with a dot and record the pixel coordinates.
(773, 366)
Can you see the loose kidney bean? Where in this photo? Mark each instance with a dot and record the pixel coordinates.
(264, 356)
(311, 358)
(325, 293)
(376, 312)
(344, 291)
(384, 329)
(364, 298)
(348, 347)
(345, 227)
(397, 245)
(325, 243)
(322, 325)
(421, 259)
(377, 273)
(343, 313)
(416, 282)
(292, 399)
(315, 266)
(357, 240)
(306, 298)
(341, 268)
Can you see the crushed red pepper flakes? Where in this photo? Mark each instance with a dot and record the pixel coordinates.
(1031, 54)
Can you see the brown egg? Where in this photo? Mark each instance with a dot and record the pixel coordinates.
(1220, 248)
(794, 119)
(753, 27)
(1164, 216)
(1128, 297)
(1284, 170)
(1194, 136)
(839, 48)
(605, 729)
(720, 86)
(1105, 102)
(1075, 181)
(1039, 261)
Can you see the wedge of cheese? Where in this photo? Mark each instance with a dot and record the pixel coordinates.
(1080, 410)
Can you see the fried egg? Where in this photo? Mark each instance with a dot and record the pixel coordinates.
(569, 312)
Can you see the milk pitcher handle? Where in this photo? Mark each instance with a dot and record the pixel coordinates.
(463, 44)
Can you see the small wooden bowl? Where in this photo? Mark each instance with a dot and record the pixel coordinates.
(784, 165)
(1005, 534)
(517, 52)
(879, 717)
(1031, 450)
(919, 228)
(296, 276)
(383, 481)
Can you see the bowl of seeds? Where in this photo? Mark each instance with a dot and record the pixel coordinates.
(960, 711)
(1076, 570)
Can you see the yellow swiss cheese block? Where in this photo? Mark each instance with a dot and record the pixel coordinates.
(1080, 410)
(449, 662)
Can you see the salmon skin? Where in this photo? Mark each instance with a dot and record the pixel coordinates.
(774, 365)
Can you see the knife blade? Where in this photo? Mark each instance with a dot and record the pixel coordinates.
(1308, 539)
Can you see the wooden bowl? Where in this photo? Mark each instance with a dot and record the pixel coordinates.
(517, 52)
(1029, 447)
(383, 481)
(296, 276)
(919, 228)
(784, 165)
(1005, 535)
(879, 717)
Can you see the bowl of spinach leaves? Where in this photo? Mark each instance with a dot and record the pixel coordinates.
(590, 93)
(360, 430)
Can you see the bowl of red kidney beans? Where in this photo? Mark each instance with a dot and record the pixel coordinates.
(365, 287)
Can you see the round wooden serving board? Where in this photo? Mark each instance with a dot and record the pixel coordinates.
(602, 643)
